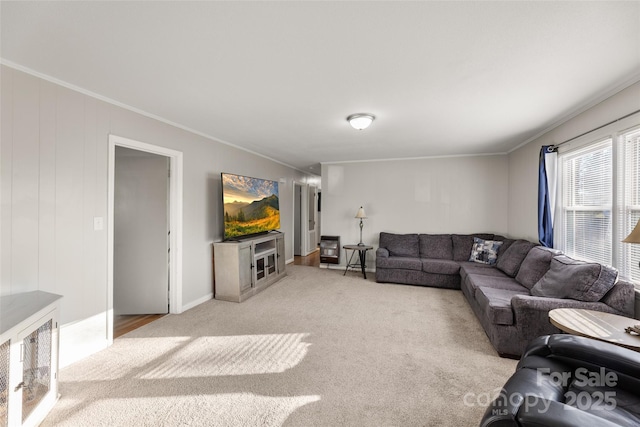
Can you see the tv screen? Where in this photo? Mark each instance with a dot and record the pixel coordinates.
(251, 205)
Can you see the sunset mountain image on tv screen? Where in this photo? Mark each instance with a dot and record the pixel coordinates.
(251, 205)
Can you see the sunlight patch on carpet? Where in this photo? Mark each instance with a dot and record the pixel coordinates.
(232, 355)
(135, 351)
(237, 409)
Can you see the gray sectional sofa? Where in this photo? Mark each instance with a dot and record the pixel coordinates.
(511, 297)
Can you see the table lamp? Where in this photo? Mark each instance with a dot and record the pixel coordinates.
(634, 236)
(361, 215)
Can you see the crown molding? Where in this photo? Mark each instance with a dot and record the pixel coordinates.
(581, 109)
(116, 103)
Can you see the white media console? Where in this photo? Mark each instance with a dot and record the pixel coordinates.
(245, 267)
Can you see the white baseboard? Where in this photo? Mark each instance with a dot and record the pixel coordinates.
(82, 339)
(197, 302)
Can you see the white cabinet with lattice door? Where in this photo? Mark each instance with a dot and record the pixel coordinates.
(28, 357)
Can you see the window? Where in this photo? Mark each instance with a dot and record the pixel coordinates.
(600, 199)
(586, 200)
(629, 201)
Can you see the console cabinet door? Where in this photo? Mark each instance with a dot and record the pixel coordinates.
(280, 254)
(245, 265)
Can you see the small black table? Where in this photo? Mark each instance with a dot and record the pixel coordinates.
(362, 256)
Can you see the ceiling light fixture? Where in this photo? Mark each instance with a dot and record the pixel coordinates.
(361, 120)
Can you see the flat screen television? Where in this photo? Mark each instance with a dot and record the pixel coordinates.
(251, 205)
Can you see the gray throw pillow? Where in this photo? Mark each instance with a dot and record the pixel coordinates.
(506, 242)
(535, 265)
(509, 261)
(579, 280)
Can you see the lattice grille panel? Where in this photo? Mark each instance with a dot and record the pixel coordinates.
(4, 383)
(37, 368)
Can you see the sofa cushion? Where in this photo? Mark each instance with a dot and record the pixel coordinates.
(579, 280)
(621, 297)
(506, 283)
(535, 265)
(513, 256)
(467, 268)
(400, 244)
(506, 242)
(496, 304)
(406, 263)
(462, 244)
(484, 251)
(440, 266)
(436, 246)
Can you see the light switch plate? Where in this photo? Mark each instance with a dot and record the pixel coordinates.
(98, 223)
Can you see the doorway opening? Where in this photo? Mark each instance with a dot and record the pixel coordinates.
(305, 219)
(145, 234)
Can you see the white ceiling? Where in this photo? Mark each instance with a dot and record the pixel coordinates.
(280, 78)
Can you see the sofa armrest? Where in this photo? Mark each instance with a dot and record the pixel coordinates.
(528, 399)
(531, 313)
(382, 253)
(549, 413)
(524, 388)
(580, 351)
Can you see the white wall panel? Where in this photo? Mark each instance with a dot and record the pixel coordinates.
(89, 188)
(6, 171)
(47, 190)
(24, 183)
(70, 165)
(100, 207)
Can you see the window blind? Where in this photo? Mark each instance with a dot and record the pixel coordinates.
(587, 202)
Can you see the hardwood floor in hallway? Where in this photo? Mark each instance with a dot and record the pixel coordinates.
(312, 260)
(127, 323)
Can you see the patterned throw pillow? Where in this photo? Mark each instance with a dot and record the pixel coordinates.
(484, 251)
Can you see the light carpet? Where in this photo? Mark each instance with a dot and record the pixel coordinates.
(315, 349)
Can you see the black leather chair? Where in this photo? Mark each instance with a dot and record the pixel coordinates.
(566, 380)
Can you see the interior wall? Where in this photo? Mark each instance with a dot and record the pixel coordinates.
(437, 195)
(54, 154)
(523, 162)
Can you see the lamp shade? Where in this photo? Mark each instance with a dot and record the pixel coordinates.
(634, 237)
(360, 121)
(361, 213)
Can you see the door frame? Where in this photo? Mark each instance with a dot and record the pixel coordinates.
(304, 217)
(175, 222)
(312, 246)
(297, 219)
